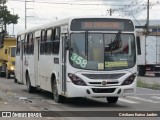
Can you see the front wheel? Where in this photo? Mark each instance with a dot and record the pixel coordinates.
(57, 98)
(112, 99)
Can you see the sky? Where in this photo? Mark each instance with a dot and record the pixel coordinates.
(43, 11)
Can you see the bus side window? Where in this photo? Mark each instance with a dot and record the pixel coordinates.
(56, 40)
(30, 44)
(25, 44)
(5, 51)
(42, 43)
(48, 46)
(18, 46)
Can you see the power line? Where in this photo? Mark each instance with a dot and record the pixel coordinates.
(71, 3)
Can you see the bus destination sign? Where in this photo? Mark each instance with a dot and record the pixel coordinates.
(102, 25)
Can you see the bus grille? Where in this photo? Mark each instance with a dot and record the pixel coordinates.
(104, 76)
(101, 83)
(103, 90)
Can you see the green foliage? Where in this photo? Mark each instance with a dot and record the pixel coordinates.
(143, 84)
(6, 17)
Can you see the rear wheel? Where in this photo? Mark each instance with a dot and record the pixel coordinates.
(30, 89)
(15, 80)
(112, 99)
(57, 98)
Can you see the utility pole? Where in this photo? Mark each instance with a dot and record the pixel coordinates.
(110, 11)
(147, 23)
(13, 23)
(25, 15)
(26, 12)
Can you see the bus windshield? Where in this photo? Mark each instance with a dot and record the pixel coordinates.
(102, 51)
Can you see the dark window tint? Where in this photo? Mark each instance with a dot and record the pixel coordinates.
(18, 46)
(29, 44)
(56, 40)
(13, 52)
(42, 43)
(138, 46)
(49, 43)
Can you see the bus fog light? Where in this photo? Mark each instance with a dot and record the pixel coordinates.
(128, 90)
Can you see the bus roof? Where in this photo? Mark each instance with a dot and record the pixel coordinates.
(63, 22)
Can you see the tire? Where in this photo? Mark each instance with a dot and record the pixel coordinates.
(7, 74)
(112, 99)
(57, 98)
(141, 70)
(30, 89)
(15, 80)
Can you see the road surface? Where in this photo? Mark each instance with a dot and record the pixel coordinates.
(14, 97)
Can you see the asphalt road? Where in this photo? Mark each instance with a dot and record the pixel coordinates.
(14, 97)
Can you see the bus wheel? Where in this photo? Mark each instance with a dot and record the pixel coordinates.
(30, 89)
(112, 99)
(7, 74)
(57, 98)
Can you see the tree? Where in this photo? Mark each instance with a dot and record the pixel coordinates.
(6, 17)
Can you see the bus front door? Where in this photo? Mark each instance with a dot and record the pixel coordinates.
(36, 61)
(22, 62)
(63, 67)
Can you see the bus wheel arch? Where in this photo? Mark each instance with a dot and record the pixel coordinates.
(57, 98)
(30, 88)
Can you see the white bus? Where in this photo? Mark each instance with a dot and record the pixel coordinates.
(79, 57)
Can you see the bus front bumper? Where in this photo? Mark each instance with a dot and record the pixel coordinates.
(107, 91)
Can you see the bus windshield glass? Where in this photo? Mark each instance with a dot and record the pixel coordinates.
(13, 51)
(107, 51)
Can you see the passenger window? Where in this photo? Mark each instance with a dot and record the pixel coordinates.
(56, 40)
(49, 43)
(42, 43)
(18, 46)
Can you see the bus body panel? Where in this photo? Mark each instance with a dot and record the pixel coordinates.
(42, 67)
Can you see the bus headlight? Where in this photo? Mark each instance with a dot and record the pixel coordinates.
(76, 80)
(12, 68)
(129, 80)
